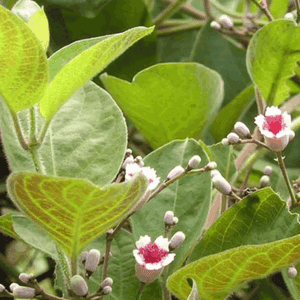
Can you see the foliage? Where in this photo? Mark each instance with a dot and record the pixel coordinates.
(173, 86)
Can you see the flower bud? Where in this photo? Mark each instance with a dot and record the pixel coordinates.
(233, 138)
(92, 260)
(214, 173)
(128, 152)
(128, 160)
(83, 256)
(264, 181)
(24, 277)
(176, 240)
(194, 161)
(226, 21)
(249, 16)
(175, 220)
(139, 161)
(107, 290)
(225, 142)
(292, 272)
(212, 165)
(79, 286)
(24, 292)
(263, 4)
(289, 16)
(268, 170)
(175, 172)
(241, 129)
(2, 288)
(169, 217)
(13, 286)
(221, 184)
(107, 282)
(215, 25)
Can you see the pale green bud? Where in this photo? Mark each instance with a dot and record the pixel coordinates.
(215, 25)
(107, 282)
(2, 288)
(225, 142)
(24, 292)
(194, 161)
(292, 272)
(175, 172)
(221, 184)
(264, 181)
(233, 138)
(107, 290)
(13, 286)
(79, 286)
(176, 240)
(169, 218)
(268, 170)
(24, 277)
(92, 260)
(241, 129)
(226, 21)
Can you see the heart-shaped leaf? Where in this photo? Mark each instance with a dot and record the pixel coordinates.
(271, 59)
(23, 63)
(73, 211)
(169, 101)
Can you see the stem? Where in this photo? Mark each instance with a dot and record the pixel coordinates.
(43, 133)
(282, 167)
(21, 139)
(207, 9)
(74, 265)
(298, 11)
(108, 239)
(141, 288)
(179, 28)
(197, 14)
(261, 104)
(223, 203)
(172, 8)
(264, 9)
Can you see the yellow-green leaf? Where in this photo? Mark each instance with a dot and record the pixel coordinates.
(73, 211)
(6, 226)
(86, 65)
(23, 63)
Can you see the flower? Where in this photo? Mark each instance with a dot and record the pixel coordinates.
(275, 127)
(133, 168)
(151, 259)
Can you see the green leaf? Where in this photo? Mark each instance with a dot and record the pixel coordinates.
(271, 59)
(35, 18)
(34, 236)
(168, 101)
(254, 238)
(73, 211)
(84, 66)
(87, 138)
(23, 63)
(278, 8)
(6, 226)
(188, 198)
(214, 51)
(231, 113)
(194, 295)
(223, 156)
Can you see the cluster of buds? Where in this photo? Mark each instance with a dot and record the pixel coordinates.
(91, 261)
(80, 287)
(152, 258)
(242, 131)
(224, 21)
(18, 291)
(134, 165)
(265, 179)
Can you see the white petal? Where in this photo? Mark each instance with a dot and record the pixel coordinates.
(143, 241)
(168, 259)
(273, 111)
(138, 257)
(162, 243)
(259, 121)
(287, 119)
(131, 170)
(154, 266)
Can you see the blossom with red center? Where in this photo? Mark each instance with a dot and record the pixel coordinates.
(275, 127)
(151, 258)
(133, 168)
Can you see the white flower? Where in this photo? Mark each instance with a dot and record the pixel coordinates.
(275, 127)
(133, 168)
(151, 259)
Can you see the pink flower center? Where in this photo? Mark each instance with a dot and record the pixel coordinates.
(150, 180)
(274, 124)
(152, 253)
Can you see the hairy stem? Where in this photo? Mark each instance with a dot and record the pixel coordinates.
(282, 167)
